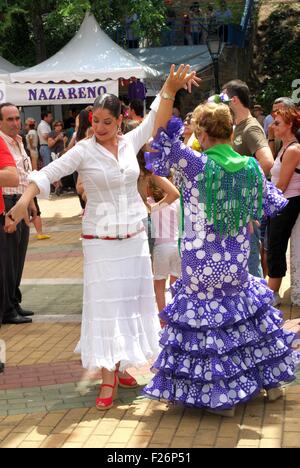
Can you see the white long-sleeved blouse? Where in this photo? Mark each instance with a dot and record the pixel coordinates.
(114, 206)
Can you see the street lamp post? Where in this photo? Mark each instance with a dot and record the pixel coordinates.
(214, 45)
(216, 74)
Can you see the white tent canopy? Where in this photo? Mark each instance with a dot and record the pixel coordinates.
(7, 67)
(91, 55)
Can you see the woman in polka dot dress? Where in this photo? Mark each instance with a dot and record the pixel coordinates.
(223, 342)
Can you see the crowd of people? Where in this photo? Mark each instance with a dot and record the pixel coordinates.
(196, 22)
(189, 25)
(193, 208)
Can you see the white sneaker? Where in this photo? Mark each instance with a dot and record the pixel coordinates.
(277, 299)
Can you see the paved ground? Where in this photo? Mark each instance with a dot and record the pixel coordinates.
(46, 399)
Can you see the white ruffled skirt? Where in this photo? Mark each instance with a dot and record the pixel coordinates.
(120, 321)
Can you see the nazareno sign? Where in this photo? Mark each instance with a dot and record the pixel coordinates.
(51, 94)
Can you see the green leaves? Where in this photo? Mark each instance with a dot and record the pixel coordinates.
(31, 31)
(279, 50)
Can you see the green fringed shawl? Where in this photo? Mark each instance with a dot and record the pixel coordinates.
(228, 190)
(225, 156)
(230, 185)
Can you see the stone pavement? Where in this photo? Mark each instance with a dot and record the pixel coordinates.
(47, 400)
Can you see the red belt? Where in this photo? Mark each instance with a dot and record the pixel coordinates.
(128, 236)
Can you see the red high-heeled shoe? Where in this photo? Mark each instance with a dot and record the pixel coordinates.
(103, 404)
(128, 382)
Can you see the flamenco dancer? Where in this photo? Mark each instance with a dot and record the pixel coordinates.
(224, 341)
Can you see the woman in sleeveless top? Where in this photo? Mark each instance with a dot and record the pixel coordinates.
(286, 176)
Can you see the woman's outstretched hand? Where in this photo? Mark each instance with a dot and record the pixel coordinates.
(182, 78)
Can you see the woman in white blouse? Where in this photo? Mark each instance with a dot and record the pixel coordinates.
(120, 328)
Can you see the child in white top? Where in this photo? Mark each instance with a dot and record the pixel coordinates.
(166, 259)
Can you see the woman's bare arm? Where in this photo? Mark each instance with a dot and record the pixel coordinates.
(172, 193)
(290, 161)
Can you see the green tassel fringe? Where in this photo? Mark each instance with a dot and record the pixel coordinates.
(230, 202)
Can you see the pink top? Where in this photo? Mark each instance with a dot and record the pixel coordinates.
(22, 161)
(293, 189)
(165, 223)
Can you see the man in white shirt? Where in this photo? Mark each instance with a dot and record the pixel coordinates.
(16, 243)
(8, 177)
(44, 130)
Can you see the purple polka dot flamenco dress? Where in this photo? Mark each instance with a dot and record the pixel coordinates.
(223, 341)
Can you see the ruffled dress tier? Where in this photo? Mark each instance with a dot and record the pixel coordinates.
(223, 341)
(119, 322)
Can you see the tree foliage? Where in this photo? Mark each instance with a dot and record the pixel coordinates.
(278, 54)
(31, 31)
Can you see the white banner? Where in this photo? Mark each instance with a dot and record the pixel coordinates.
(55, 94)
(2, 92)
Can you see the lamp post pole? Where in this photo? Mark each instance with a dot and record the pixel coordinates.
(216, 74)
(214, 45)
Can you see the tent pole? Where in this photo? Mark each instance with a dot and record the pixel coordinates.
(145, 103)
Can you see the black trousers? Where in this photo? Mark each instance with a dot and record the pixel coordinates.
(2, 268)
(280, 229)
(16, 248)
